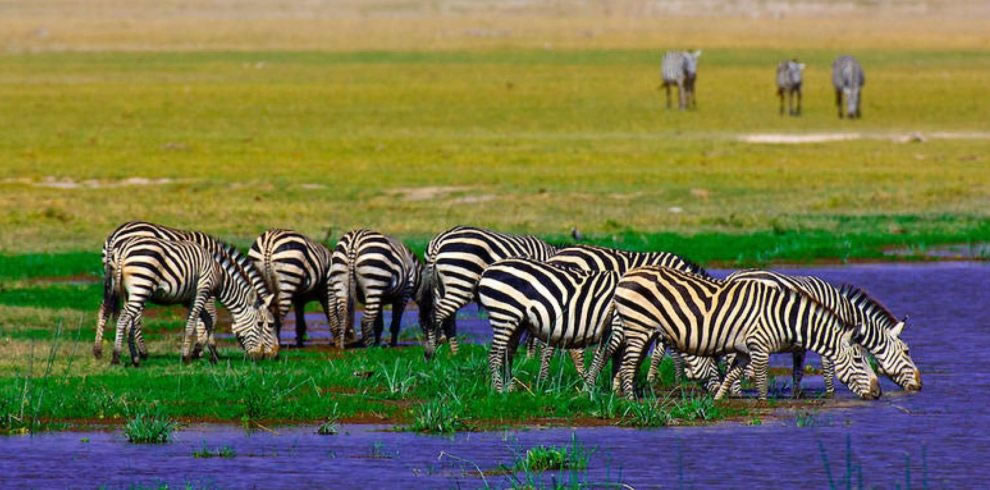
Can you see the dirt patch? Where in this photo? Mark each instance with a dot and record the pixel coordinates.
(806, 138)
(425, 193)
(68, 183)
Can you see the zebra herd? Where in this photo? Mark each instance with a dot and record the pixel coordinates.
(616, 302)
(680, 69)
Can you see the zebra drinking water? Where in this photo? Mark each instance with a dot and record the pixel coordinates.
(296, 269)
(789, 79)
(375, 269)
(181, 272)
(680, 68)
(882, 329)
(455, 260)
(707, 317)
(848, 80)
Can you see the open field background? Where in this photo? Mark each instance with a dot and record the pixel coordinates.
(236, 116)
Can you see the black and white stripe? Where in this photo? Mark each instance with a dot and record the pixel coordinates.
(882, 329)
(455, 260)
(370, 267)
(561, 306)
(228, 257)
(680, 68)
(181, 272)
(296, 269)
(848, 79)
(789, 80)
(593, 258)
(706, 317)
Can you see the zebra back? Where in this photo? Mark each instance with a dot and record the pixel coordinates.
(789, 74)
(231, 258)
(679, 66)
(307, 261)
(847, 73)
(593, 258)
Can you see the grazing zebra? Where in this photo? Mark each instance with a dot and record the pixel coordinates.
(848, 79)
(883, 330)
(707, 317)
(296, 270)
(373, 268)
(228, 257)
(789, 78)
(592, 258)
(181, 272)
(680, 68)
(455, 260)
(561, 306)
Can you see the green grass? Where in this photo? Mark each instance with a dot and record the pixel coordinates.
(543, 458)
(412, 142)
(204, 452)
(147, 428)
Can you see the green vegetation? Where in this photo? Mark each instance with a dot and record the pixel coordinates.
(146, 428)
(222, 452)
(543, 458)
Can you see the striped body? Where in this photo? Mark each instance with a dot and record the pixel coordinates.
(789, 80)
(561, 306)
(180, 272)
(296, 270)
(707, 317)
(680, 69)
(848, 79)
(455, 260)
(375, 269)
(592, 258)
(882, 329)
(228, 256)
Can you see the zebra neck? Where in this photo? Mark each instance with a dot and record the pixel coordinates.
(235, 294)
(824, 332)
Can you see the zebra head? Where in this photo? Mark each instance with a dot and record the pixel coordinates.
(691, 63)
(853, 367)
(894, 359)
(254, 329)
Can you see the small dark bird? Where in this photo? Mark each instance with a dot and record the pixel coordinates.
(576, 234)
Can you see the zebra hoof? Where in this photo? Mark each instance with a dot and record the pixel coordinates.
(97, 352)
(135, 362)
(186, 359)
(144, 356)
(115, 359)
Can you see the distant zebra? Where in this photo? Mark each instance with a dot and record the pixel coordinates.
(848, 80)
(882, 328)
(592, 258)
(455, 260)
(181, 272)
(228, 256)
(296, 270)
(680, 68)
(561, 306)
(789, 79)
(703, 316)
(373, 268)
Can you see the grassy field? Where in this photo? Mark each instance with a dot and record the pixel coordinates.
(411, 117)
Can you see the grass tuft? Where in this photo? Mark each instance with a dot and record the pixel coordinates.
(222, 452)
(149, 429)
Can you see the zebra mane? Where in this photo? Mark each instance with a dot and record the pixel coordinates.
(848, 323)
(694, 267)
(868, 303)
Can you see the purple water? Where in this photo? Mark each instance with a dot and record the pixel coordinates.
(945, 424)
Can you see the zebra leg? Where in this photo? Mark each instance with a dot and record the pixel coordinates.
(780, 93)
(735, 371)
(655, 358)
(606, 350)
(325, 304)
(681, 96)
(798, 94)
(838, 101)
(398, 308)
(577, 356)
(635, 343)
(760, 361)
(828, 372)
(130, 311)
(450, 330)
(496, 359)
(207, 320)
(545, 357)
(666, 86)
(198, 304)
(105, 312)
(679, 373)
(797, 372)
(530, 346)
(372, 310)
(139, 338)
(132, 343)
(300, 308)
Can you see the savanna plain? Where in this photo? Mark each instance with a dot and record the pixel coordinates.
(409, 118)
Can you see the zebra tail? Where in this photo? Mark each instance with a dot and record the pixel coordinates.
(351, 288)
(425, 296)
(113, 280)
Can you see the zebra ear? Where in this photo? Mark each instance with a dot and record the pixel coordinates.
(267, 301)
(896, 331)
(801, 66)
(847, 335)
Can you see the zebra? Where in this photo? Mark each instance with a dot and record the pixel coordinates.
(789, 79)
(228, 256)
(296, 269)
(561, 306)
(171, 272)
(680, 68)
(593, 258)
(708, 317)
(848, 79)
(455, 260)
(374, 268)
(883, 330)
